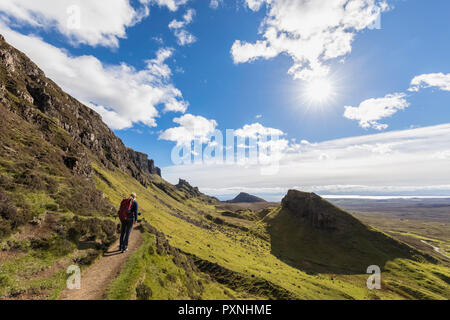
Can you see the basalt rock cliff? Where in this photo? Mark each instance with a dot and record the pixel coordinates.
(193, 192)
(316, 211)
(24, 89)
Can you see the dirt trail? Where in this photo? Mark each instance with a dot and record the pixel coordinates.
(96, 279)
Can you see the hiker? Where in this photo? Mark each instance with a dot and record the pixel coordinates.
(128, 215)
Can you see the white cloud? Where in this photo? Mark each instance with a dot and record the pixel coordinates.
(214, 4)
(380, 148)
(371, 111)
(408, 162)
(270, 143)
(256, 129)
(120, 93)
(173, 5)
(438, 80)
(111, 117)
(311, 32)
(255, 5)
(244, 52)
(190, 128)
(184, 37)
(267, 141)
(101, 22)
(159, 40)
(442, 155)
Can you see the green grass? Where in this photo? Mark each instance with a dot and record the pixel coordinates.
(166, 280)
(248, 255)
(293, 239)
(23, 275)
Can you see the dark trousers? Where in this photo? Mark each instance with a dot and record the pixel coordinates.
(127, 226)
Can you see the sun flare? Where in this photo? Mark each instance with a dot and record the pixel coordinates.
(319, 91)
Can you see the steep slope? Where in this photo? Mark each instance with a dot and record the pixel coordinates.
(49, 141)
(245, 198)
(26, 92)
(310, 233)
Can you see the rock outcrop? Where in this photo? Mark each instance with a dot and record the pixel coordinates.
(143, 163)
(187, 188)
(318, 212)
(310, 233)
(193, 192)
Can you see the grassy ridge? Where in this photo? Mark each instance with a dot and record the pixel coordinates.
(349, 252)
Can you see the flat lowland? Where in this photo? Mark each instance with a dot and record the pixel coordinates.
(254, 206)
(422, 223)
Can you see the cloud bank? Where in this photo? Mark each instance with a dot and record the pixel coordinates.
(101, 22)
(311, 32)
(408, 162)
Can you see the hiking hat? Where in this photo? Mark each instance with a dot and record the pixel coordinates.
(133, 195)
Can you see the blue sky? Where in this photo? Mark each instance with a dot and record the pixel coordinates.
(374, 102)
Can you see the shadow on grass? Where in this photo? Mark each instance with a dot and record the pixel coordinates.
(349, 251)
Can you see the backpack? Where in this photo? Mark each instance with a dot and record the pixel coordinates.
(125, 207)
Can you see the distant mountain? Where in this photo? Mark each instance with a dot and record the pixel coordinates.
(245, 198)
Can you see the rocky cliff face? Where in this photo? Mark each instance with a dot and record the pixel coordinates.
(318, 212)
(24, 87)
(186, 187)
(193, 192)
(143, 163)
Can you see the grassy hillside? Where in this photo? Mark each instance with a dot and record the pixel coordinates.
(47, 214)
(51, 213)
(349, 251)
(246, 256)
(159, 271)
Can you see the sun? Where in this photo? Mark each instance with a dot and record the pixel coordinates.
(319, 91)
